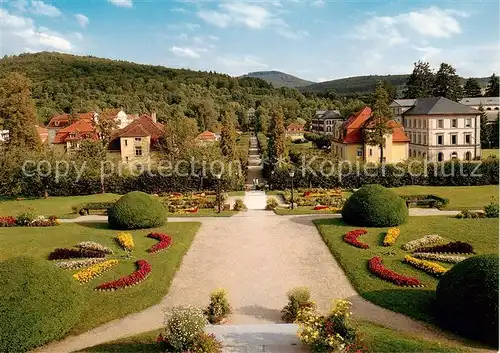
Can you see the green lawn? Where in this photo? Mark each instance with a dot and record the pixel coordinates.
(461, 197)
(102, 307)
(300, 210)
(54, 205)
(236, 193)
(376, 338)
(414, 302)
(486, 153)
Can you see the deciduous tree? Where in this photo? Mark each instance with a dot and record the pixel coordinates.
(228, 133)
(278, 135)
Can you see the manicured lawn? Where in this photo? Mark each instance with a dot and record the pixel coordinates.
(236, 193)
(101, 307)
(204, 213)
(461, 197)
(414, 302)
(54, 205)
(300, 210)
(486, 153)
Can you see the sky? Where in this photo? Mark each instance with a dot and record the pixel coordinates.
(317, 40)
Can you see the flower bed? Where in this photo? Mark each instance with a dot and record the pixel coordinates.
(90, 245)
(431, 268)
(391, 236)
(40, 221)
(453, 259)
(126, 241)
(85, 275)
(65, 253)
(352, 238)
(455, 247)
(143, 271)
(378, 269)
(165, 242)
(78, 264)
(7, 221)
(425, 240)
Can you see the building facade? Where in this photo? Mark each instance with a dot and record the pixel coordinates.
(442, 130)
(326, 121)
(68, 139)
(295, 131)
(399, 106)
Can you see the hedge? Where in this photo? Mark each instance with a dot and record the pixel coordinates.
(136, 210)
(441, 202)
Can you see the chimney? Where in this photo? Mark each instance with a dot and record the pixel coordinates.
(153, 116)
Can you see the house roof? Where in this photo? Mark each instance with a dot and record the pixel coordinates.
(207, 135)
(328, 114)
(481, 100)
(403, 103)
(295, 126)
(141, 127)
(439, 106)
(79, 128)
(63, 119)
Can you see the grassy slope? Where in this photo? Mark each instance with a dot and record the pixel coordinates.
(486, 153)
(414, 302)
(101, 307)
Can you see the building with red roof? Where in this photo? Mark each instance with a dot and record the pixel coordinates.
(295, 131)
(68, 139)
(61, 121)
(348, 140)
(207, 137)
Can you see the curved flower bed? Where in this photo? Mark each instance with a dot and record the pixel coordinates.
(143, 271)
(126, 241)
(7, 221)
(78, 264)
(452, 259)
(87, 274)
(165, 242)
(455, 247)
(90, 245)
(65, 253)
(391, 236)
(424, 241)
(378, 269)
(352, 238)
(431, 268)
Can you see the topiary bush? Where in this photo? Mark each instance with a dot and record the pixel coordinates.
(38, 303)
(467, 298)
(374, 206)
(136, 210)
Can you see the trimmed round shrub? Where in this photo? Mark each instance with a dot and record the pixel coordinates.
(38, 303)
(374, 206)
(467, 298)
(136, 210)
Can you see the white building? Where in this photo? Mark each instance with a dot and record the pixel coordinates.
(491, 105)
(441, 129)
(399, 106)
(326, 121)
(4, 135)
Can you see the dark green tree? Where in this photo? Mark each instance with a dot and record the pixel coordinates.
(392, 92)
(420, 82)
(492, 90)
(228, 133)
(495, 132)
(472, 88)
(486, 129)
(261, 120)
(180, 133)
(447, 83)
(278, 135)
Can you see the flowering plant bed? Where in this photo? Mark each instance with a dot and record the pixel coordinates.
(165, 242)
(85, 275)
(126, 241)
(40, 221)
(455, 247)
(352, 238)
(188, 210)
(453, 259)
(376, 267)
(90, 245)
(391, 236)
(424, 241)
(143, 271)
(431, 268)
(7, 221)
(78, 264)
(65, 253)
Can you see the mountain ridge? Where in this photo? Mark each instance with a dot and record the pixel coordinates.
(279, 79)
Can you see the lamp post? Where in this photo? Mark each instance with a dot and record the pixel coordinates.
(292, 174)
(218, 175)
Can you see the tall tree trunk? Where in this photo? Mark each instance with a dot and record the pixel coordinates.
(381, 153)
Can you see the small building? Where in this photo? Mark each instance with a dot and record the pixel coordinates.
(348, 142)
(67, 140)
(491, 106)
(121, 118)
(399, 106)
(207, 137)
(326, 121)
(295, 131)
(4, 135)
(61, 121)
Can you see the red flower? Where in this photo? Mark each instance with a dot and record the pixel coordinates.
(352, 238)
(165, 242)
(320, 207)
(143, 271)
(7, 221)
(377, 268)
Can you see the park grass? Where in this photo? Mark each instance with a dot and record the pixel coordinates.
(489, 152)
(461, 197)
(102, 307)
(236, 193)
(376, 338)
(59, 206)
(414, 302)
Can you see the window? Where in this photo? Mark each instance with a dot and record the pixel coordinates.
(418, 138)
(138, 151)
(453, 122)
(126, 142)
(425, 139)
(468, 156)
(440, 123)
(496, 108)
(440, 156)
(371, 152)
(439, 139)
(137, 139)
(453, 139)
(359, 152)
(454, 155)
(467, 139)
(419, 123)
(467, 122)
(126, 159)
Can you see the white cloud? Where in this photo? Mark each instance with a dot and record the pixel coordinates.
(83, 20)
(122, 3)
(183, 26)
(20, 34)
(179, 9)
(318, 3)
(79, 35)
(41, 8)
(184, 52)
(241, 65)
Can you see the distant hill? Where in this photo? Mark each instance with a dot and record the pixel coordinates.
(279, 79)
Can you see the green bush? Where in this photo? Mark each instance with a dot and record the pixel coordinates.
(239, 205)
(374, 206)
(136, 210)
(491, 210)
(298, 299)
(271, 204)
(38, 303)
(219, 307)
(183, 327)
(467, 298)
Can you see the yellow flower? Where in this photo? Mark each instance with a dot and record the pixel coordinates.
(430, 267)
(391, 236)
(91, 272)
(126, 241)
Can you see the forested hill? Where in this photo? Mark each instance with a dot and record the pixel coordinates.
(279, 79)
(65, 83)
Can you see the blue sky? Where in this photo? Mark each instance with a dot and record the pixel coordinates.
(316, 40)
